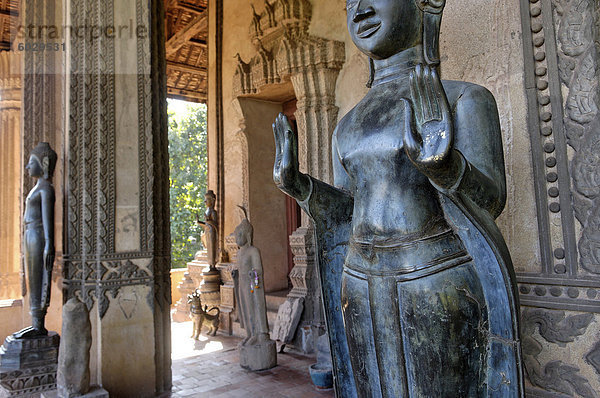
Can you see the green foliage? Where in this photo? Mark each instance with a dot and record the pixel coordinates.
(188, 173)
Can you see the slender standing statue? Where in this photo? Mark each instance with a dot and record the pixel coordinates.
(418, 285)
(210, 228)
(38, 239)
(257, 350)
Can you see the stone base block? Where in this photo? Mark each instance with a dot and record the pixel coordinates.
(27, 353)
(95, 392)
(261, 356)
(28, 366)
(27, 382)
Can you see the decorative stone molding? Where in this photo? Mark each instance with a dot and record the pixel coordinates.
(232, 248)
(561, 68)
(28, 382)
(557, 328)
(227, 304)
(10, 78)
(286, 52)
(302, 245)
(98, 281)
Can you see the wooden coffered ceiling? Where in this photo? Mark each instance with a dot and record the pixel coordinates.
(186, 33)
(187, 56)
(9, 13)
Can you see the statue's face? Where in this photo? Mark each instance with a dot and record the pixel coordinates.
(240, 236)
(382, 28)
(34, 166)
(210, 201)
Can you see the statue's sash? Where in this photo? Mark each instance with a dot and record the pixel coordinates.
(485, 244)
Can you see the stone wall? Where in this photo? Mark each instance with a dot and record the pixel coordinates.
(10, 176)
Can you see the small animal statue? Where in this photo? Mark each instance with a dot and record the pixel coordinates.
(201, 317)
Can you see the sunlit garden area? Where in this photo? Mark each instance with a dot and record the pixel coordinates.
(188, 172)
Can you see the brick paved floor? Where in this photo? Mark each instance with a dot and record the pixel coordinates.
(210, 368)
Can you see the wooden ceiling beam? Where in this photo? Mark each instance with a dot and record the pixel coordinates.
(187, 68)
(198, 42)
(198, 24)
(190, 8)
(8, 13)
(183, 93)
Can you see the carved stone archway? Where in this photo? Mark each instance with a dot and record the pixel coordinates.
(286, 55)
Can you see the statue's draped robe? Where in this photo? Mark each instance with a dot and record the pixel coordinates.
(479, 141)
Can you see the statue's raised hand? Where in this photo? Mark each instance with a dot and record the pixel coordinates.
(429, 136)
(286, 171)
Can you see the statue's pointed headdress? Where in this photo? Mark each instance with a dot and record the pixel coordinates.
(246, 226)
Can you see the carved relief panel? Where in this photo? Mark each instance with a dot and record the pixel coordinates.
(561, 301)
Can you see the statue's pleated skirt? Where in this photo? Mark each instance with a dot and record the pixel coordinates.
(429, 328)
(33, 244)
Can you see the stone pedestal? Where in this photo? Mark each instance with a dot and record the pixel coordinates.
(210, 287)
(96, 392)
(260, 356)
(191, 281)
(28, 366)
(227, 305)
(182, 308)
(28, 353)
(197, 266)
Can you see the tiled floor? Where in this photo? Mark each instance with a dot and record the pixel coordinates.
(210, 368)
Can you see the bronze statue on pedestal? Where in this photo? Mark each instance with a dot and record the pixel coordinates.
(38, 238)
(418, 286)
(210, 224)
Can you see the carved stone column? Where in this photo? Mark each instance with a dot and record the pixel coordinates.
(117, 256)
(285, 52)
(10, 175)
(228, 293)
(560, 296)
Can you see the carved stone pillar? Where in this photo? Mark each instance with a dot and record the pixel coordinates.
(560, 296)
(117, 256)
(10, 175)
(285, 52)
(228, 294)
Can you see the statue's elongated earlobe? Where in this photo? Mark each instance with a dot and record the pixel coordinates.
(431, 38)
(371, 73)
(432, 20)
(46, 167)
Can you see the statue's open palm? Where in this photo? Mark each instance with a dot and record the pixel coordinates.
(286, 171)
(430, 145)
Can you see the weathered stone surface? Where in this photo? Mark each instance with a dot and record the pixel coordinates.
(27, 382)
(95, 392)
(28, 366)
(29, 353)
(73, 377)
(260, 356)
(288, 316)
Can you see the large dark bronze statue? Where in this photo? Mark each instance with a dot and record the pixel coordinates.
(418, 284)
(38, 239)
